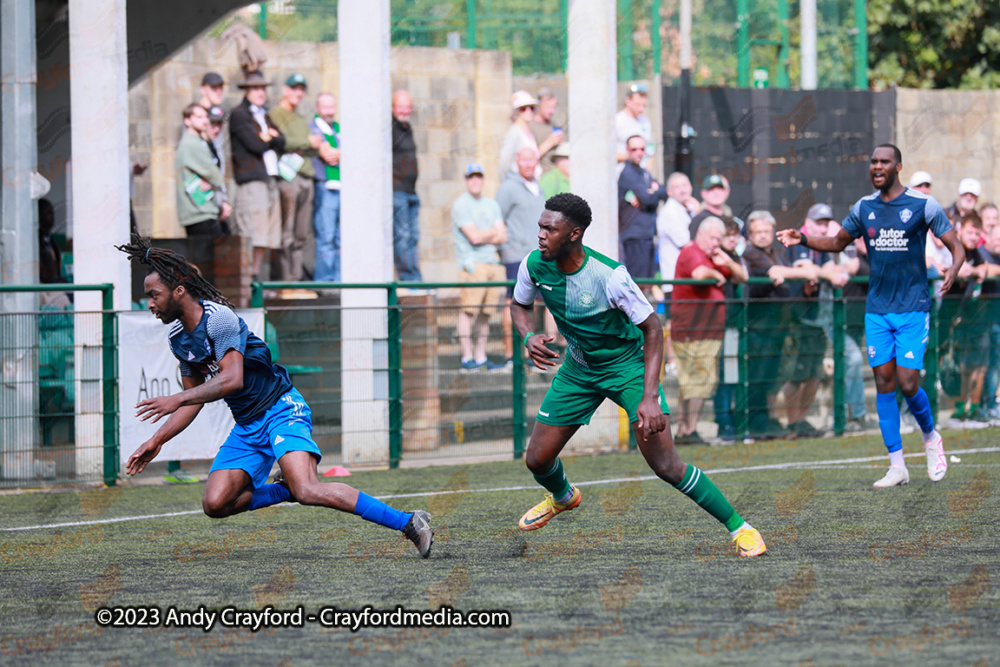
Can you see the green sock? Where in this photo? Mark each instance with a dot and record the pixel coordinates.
(698, 487)
(173, 466)
(555, 481)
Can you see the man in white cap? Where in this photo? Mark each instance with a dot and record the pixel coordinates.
(921, 182)
(968, 194)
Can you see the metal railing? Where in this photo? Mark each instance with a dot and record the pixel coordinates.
(33, 450)
(518, 392)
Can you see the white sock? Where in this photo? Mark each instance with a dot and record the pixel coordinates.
(466, 360)
(745, 524)
(896, 459)
(929, 436)
(481, 361)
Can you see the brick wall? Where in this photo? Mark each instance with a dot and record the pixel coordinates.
(461, 110)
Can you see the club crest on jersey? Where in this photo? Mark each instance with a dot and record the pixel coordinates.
(905, 215)
(586, 299)
(871, 232)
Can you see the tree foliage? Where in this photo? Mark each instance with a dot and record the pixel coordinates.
(934, 43)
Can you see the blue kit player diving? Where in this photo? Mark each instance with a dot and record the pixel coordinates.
(893, 221)
(220, 358)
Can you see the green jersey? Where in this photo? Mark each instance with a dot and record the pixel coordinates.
(597, 307)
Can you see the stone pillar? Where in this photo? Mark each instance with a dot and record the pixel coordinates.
(18, 245)
(100, 194)
(366, 226)
(591, 75)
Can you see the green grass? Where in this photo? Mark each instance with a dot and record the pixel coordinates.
(638, 575)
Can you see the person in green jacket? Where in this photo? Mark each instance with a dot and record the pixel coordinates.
(556, 180)
(201, 202)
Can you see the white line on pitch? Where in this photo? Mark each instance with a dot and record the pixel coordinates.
(793, 465)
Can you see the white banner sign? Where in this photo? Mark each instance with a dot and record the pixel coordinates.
(147, 369)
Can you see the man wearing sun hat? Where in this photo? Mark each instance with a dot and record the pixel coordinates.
(253, 139)
(556, 180)
(519, 135)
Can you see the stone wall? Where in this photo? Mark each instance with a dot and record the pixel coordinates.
(952, 135)
(461, 110)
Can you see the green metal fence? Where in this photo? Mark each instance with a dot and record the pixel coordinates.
(59, 416)
(405, 352)
(439, 412)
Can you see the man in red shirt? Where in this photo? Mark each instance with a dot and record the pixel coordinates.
(698, 313)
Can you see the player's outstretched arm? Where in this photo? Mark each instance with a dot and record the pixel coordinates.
(950, 240)
(177, 422)
(651, 419)
(791, 237)
(228, 381)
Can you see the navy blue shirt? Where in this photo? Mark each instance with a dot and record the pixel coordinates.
(895, 233)
(638, 223)
(220, 330)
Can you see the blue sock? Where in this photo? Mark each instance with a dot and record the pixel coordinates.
(888, 420)
(920, 406)
(267, 495)
(371, 509)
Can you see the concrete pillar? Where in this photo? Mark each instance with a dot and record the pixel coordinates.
(100, 194)
(18, 244)
(807, 19)
(366, 225)
(591, 76)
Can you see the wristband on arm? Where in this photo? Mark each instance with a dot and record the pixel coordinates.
(804, 241)
(526, 337)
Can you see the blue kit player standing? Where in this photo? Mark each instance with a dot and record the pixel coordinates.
(893, 221)
(220, 358)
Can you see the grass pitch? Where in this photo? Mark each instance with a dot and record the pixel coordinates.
(637, 575)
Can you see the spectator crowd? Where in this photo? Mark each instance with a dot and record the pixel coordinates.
(285, 162)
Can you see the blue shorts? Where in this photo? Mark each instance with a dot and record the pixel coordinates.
(253, 448)
(899, 336)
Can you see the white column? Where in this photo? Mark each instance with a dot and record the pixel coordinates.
(365, 225)
(592, 77)
(592, 93)
(18, 245)
(100, 194)
(807, 16)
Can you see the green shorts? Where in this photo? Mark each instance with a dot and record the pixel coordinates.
(575, 392)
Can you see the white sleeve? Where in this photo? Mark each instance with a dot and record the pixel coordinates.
(525, 290)
(627, 297)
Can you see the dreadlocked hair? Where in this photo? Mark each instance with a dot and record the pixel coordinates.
(173, 269)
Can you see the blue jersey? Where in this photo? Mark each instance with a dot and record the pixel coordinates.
(220, 330)
(895, 234)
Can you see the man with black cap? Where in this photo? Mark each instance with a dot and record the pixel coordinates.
(254, 140)
(295, 182)
(213, 88)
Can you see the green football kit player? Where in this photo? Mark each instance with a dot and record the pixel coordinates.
(614, 350)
